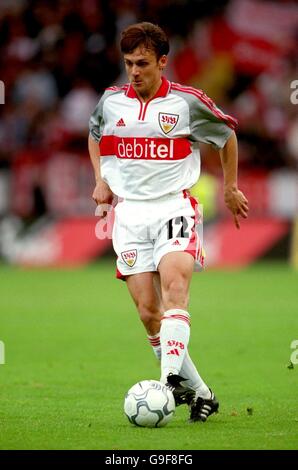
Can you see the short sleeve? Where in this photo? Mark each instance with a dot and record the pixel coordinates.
(208, 123)
(96, 122)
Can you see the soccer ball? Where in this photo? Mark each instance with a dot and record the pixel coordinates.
(149, 404)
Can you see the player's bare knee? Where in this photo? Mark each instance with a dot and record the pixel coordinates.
(175, 286)
(148, 314)
(175, 293)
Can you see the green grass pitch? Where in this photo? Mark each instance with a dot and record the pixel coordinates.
(74, 345)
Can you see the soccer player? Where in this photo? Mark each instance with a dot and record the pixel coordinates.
(144, 148)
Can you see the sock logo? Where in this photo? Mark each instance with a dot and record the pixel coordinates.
(173, 342)
(175, 350)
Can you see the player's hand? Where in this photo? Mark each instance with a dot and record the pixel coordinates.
(102, 193)
(237, 203)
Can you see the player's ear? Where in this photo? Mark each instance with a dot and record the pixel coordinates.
(162, 62)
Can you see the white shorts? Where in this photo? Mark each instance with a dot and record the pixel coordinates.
(144, 231)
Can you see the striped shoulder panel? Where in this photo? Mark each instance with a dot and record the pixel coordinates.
(116, 89)
(203, 98)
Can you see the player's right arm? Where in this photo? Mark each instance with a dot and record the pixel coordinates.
(102, 193)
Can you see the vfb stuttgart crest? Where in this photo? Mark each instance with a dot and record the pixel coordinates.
(167, 121)
(129, 257)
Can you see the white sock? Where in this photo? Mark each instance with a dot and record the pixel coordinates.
(188, 369)
(194, 380)
(174, 337)
(155, 343)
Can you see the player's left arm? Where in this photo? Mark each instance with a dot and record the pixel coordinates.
(234, 198)
(209, 125)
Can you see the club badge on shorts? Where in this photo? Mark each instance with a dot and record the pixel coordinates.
(167, 121)
(129, 257)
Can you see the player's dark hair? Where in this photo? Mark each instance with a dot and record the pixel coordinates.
(145, 34)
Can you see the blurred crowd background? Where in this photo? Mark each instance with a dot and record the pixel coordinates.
(57, 57)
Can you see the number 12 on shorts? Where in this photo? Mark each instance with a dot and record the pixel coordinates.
(178, 227)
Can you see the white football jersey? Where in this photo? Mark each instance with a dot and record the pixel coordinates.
(151, 149)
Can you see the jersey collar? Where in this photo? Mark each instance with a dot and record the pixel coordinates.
(161, 92)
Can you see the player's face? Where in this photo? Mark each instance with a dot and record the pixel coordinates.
(144, 71)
